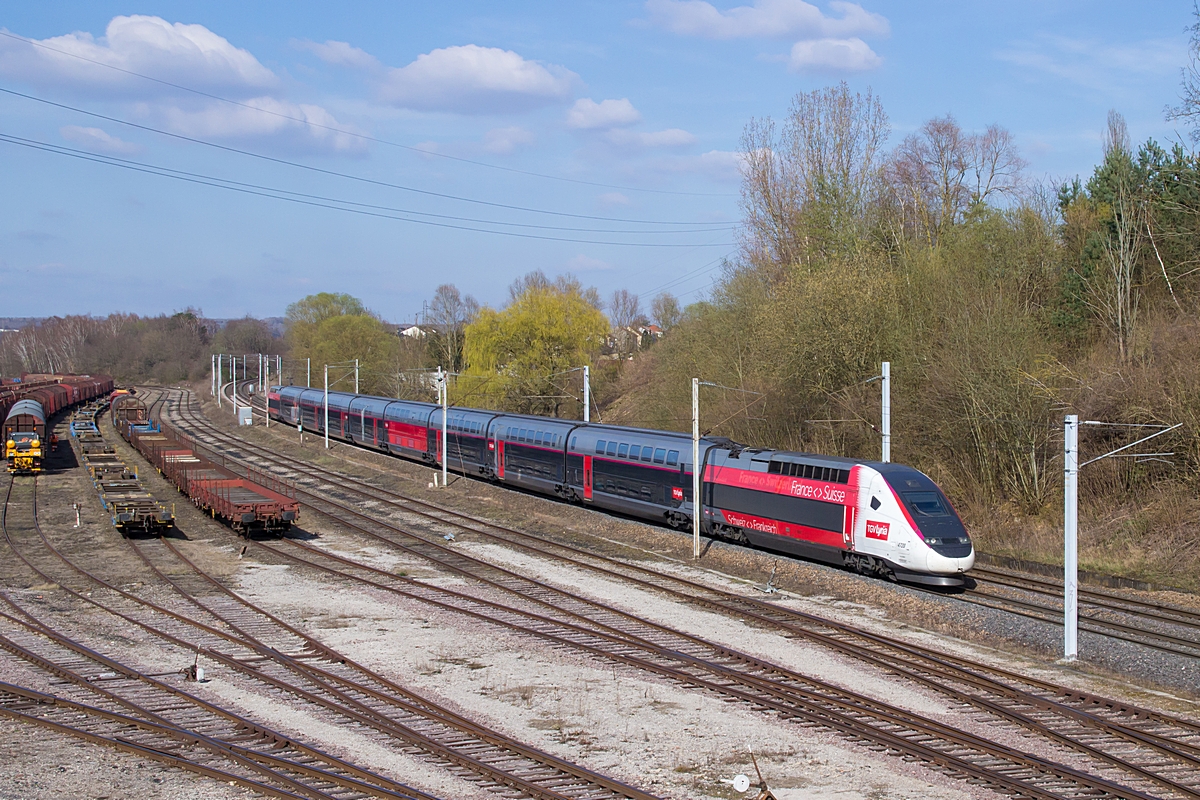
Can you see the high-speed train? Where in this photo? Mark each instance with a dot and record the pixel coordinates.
(877, 518)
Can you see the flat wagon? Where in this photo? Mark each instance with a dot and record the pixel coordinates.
(129, 504)
(256, 502)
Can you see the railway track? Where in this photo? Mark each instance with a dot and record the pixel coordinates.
(113, 704)
(248, 641)
(1172, 629)
(1139, 746)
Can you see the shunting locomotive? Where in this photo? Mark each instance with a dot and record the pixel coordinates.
(25, 437)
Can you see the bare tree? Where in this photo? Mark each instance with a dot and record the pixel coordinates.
(1115, 297)
(664, 310)
(451, 312)
(1188, 109)
(806, 190)
(625, 313)
(939, 172)
(530, 280)
(995, 164)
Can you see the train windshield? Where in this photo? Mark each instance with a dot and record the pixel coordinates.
(927, 504)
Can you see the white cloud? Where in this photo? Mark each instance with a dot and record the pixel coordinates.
(671, 137)
(190, 55)
(722, 165)
(610, 199)
(341, 54)
(764, 19)
(582, 263)
(1097, 65)
(476, 80)
(505, 140)
(300, 127)
(587, 114)
(838, 55)
(98, 141)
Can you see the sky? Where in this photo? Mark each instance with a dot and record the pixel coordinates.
(236, 157)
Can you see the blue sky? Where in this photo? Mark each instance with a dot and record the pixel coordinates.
(608, 129)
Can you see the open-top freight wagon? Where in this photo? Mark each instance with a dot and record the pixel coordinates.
(256, 502)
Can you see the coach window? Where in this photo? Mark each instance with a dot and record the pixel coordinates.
(647, 452)
(623, 451)
(672, 458)
(600, 447)
(659, 455)
(574, 442)
(612, 448)
(635, 451)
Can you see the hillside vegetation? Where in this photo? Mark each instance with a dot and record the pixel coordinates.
(1001, 305)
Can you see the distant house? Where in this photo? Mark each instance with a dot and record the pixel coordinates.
(418, 330)
(413, 331)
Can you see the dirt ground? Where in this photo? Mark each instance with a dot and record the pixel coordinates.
(664, 738)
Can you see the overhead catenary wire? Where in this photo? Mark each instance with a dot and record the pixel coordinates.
(221, 184)
(335, 173)
(355, 134)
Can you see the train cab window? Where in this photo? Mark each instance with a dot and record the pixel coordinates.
(672, 458)
(612, 449)
(660, 455)
(927, 504)
(623, 451)
(635, 451)
(600, 447)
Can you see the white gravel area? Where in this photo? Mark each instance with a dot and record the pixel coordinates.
(665, 738)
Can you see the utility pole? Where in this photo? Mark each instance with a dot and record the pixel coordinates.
(267, 393)
(696, 510)
(356, 376)
(326, 406)
(886, 427)
(1071, 537)
(587, 394)
(220, 376)
(213, 372)
(233, 385)
(279, 367)
(308, 372)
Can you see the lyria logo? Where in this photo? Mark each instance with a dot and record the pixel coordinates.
(676, 493)
(877, 530)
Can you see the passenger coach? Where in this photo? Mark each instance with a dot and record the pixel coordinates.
(881, 519)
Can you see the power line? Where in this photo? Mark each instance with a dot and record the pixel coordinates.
(221, 184)
(344, 132)
(156, 167)
(703, 269)
(335, 173)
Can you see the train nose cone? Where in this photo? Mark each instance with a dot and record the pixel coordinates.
(938, 563)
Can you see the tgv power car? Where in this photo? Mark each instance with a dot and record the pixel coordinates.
(880, 519)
